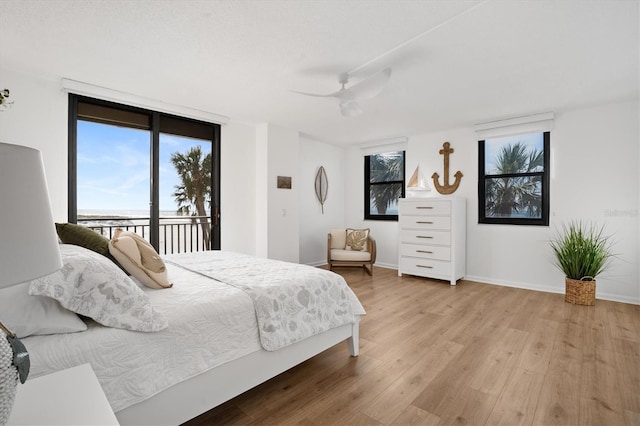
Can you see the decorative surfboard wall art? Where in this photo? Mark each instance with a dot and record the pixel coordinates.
(322, 186)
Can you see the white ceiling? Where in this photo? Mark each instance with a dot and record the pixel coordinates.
(455, 63)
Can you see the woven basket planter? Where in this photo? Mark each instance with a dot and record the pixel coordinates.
(580, 292)
(8, 379)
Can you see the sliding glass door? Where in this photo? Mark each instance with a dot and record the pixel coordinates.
(185, 193)
(144, 171)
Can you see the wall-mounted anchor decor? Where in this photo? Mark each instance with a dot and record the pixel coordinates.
(446, 188)
(322, 186)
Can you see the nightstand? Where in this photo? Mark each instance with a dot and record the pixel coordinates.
(67, 397)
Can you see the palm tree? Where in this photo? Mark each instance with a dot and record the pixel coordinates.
(509, 194)
(194, 191)
(385, 168)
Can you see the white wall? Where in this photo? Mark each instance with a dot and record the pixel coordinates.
(262, 191)
(238, 190)
(277, 208)
(38, 118)
(315, 225)
(594, 176)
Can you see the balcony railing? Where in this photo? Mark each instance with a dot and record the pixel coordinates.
(178, 234)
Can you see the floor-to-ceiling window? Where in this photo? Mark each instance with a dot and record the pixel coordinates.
(152, 173)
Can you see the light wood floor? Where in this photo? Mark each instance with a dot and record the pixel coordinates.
(473, 354)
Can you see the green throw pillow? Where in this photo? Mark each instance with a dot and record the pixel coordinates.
(70, 233)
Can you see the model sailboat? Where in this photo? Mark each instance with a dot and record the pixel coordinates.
(417, 186)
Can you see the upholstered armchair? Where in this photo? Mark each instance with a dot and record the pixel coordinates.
(351, 247)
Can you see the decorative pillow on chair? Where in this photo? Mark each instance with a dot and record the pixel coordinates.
(357, 239)
(139, 258)
(35, 315)
(90, 284)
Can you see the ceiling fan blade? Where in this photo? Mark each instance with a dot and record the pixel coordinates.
(368, 88)
(350, 108)
(330, 95)
(365, 89)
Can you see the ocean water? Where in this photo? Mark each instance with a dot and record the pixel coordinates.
(123, 218)
(122, 213)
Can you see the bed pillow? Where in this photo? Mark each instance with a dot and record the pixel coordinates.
(139, 259)
(357, 239)
(70, 233)
(27, 315)
(90, 284)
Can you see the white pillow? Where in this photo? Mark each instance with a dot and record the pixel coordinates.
(139, 258)
(35, 315)
(92, 285)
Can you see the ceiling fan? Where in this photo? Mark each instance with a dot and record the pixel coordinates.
(349, 96)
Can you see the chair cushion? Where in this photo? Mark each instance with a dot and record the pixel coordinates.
(338, 238)
(350, 255)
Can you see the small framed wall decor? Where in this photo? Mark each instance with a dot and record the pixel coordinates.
(284, 182)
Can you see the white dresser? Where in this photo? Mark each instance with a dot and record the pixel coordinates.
(432, 240)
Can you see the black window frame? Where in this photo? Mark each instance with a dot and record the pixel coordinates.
(154, 128)
(483, 177)
(368, 184)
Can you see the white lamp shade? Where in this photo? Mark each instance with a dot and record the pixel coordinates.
(28, 240)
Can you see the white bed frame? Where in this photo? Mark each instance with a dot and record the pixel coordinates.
(201, 393)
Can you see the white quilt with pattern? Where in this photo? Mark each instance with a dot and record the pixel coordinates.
(292, 301)
(210, 324)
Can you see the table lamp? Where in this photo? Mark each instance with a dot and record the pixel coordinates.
(28, 250)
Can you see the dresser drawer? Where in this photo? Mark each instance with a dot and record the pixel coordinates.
(428, 237)
(426, 207)
(424, 267)
(426, 252)
(425, 222)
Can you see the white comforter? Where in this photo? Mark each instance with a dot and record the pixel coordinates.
(210, 323)
(293, 302)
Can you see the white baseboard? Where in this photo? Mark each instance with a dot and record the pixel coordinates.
(549, 289)
(527, 286)
(377, 265)
(386, 266)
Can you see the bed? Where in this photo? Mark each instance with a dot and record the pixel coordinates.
(206, 339)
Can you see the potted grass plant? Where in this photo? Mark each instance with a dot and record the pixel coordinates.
(582, 252)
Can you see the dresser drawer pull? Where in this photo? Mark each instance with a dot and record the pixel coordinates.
(424, 207)
(424, 222)
(423, 266)
(424, 251)
(423, 236)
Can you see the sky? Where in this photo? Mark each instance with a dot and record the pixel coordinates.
(533, 141)
(114, 167)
